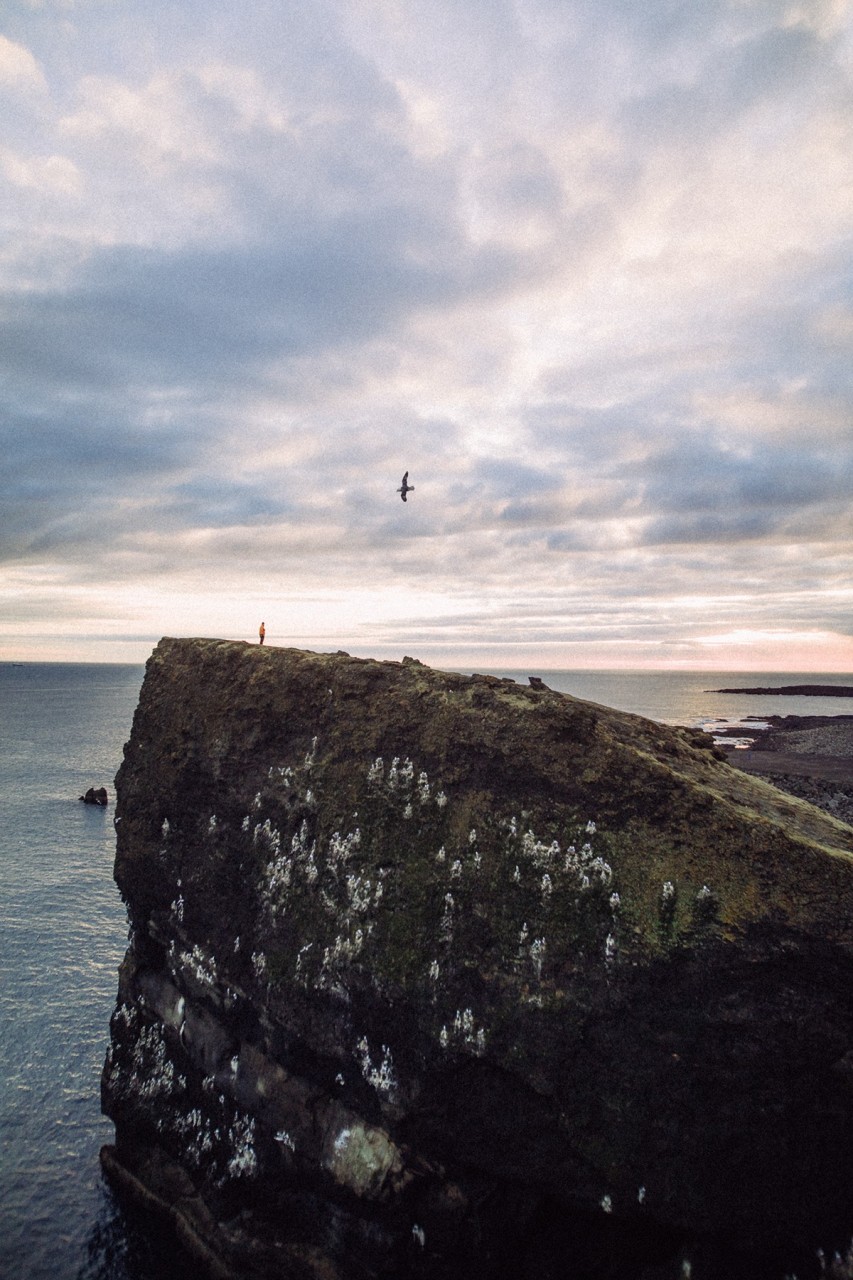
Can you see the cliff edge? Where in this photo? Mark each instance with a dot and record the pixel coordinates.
(442, 976)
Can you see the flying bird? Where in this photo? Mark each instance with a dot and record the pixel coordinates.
(405, 487)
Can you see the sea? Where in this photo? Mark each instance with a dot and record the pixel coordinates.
(63, 933)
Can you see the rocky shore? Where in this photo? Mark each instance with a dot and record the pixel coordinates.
(810, 757)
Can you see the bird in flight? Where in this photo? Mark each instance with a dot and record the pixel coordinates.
(405, 487)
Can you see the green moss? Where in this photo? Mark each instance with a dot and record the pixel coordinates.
(288, 739)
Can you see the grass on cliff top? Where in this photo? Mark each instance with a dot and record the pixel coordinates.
(673, 812)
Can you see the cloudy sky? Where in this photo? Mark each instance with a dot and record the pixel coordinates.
(583, 267)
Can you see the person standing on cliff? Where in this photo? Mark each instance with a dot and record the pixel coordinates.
(262, 631)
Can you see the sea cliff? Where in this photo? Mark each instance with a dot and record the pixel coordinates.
(445, 976)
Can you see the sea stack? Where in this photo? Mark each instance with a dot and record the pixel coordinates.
(443, 976)
(96, 795)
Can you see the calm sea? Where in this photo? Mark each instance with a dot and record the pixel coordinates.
(63, 934)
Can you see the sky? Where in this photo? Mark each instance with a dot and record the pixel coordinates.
(584, 268)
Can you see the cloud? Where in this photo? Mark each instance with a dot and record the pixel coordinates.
(18, 68)
(586, 276)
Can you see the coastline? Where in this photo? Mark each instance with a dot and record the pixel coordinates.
(796, 690)
(810, 757)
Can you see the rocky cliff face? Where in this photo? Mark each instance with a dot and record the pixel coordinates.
(442, 976)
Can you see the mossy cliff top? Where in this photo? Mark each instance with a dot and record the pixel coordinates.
(227, 730)
(421, 930)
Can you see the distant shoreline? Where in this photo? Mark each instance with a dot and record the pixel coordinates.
(804, 690)
(810, 757)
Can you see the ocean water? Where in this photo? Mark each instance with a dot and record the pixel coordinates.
(63, 934)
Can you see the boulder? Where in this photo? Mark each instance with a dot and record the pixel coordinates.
(96, 795)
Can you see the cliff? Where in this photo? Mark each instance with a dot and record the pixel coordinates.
(441, 976)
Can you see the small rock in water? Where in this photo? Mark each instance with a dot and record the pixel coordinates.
(96, 795)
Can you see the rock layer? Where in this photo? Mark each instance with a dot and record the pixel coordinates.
(439, 975)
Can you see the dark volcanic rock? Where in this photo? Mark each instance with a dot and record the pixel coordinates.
(442, 976)
(96, 795)
(818, 736)
(806, 690)
(808, 756)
